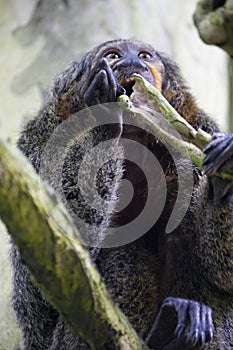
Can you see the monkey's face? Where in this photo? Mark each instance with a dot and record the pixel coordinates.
(126, 58)
(107, 71)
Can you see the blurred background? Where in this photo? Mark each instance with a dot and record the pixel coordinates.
(38, 38)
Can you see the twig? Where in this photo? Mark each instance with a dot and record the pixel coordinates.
(147, 92)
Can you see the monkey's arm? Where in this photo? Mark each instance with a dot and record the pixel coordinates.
(74, 89)
(36, 134)
(34, 142)
(216, 215)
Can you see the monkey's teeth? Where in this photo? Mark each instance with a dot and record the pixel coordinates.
(127, 84)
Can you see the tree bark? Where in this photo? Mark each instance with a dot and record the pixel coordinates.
(49, 245)
(214, 21)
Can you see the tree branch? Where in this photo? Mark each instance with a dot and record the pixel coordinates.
(49, 245)
(214, 21)
(144, 91)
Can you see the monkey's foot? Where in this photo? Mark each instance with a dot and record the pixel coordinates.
(181, 324)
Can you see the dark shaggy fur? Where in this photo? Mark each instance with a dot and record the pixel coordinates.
(195, 261)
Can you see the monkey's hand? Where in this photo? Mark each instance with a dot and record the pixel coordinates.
(102, 86)
(219, 158)
(181, 324)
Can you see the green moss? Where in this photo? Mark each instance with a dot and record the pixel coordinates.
(217, 18)
(59, 264)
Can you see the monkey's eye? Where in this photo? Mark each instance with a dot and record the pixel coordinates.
(143, 55)
(112, 55)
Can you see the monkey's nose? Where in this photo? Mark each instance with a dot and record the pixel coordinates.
(132, 61)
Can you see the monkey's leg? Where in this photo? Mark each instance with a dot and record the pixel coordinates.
(181, 324)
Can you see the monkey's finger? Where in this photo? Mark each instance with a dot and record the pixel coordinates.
(216, 146)
(214, 164)
(102, 64)
(218, 156)
(212, 144)
(104, 91)
(162, 330)
(182, 310)
(201, 324)
(193, 334)
(217, 138)
(207, 316)
(114, 89)
(106, 83)
(112, 83)
(96, 92)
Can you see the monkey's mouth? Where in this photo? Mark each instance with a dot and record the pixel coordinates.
(127, 84)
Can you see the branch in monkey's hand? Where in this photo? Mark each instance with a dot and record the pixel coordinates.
(145, 91)
(49, 245)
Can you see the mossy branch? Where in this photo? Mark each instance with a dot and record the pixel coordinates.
(214, 21)
(48, 243)
(144, 91)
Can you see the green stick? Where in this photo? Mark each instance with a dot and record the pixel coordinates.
(147, 92)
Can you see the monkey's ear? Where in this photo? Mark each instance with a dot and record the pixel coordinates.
(173, 87)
